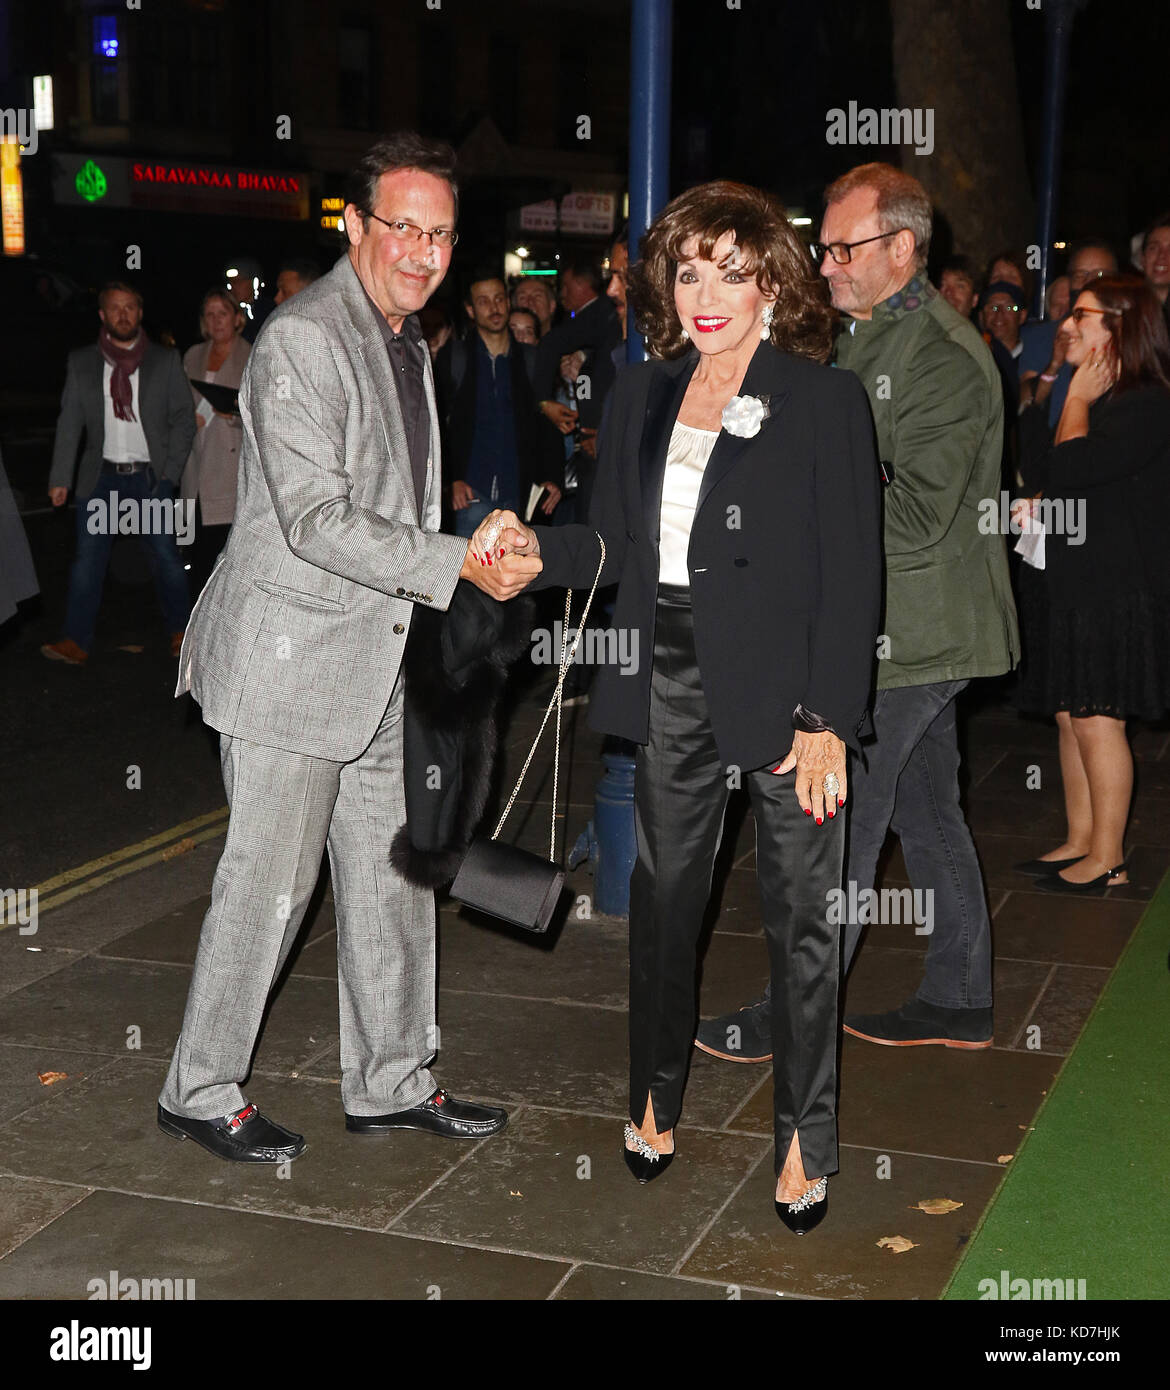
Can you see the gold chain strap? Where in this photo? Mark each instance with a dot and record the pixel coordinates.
(567, 657)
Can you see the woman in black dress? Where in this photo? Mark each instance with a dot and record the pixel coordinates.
(1097, 616)
(737, 495)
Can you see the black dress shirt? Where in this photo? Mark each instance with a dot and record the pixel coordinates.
(405, 350)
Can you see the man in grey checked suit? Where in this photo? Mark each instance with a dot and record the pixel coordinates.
(294, 650)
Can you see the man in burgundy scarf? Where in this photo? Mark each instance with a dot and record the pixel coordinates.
(131, 401)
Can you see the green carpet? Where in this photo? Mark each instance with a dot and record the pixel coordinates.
(1088, 1194)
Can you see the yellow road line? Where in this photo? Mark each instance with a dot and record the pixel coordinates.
(121, 870)
(176, 832)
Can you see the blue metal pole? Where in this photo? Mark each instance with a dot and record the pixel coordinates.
(650, 52)
(1058, 22)
(609, 840)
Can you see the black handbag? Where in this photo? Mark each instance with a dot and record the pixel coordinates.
(501, 879)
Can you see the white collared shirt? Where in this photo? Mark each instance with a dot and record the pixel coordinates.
(686, 461)
(125, 440)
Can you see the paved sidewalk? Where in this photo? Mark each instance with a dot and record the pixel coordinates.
(547, 1209)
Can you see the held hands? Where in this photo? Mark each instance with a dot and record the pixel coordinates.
(814, 756)
(502, 534)
(57, 496)
(1096, 375)
(502, 557)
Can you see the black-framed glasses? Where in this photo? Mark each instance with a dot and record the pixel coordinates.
(411, 233)
(842, 251)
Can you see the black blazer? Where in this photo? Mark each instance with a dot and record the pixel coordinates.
(539, 445)
(1118, 478)
(598, 330)
(784, 560)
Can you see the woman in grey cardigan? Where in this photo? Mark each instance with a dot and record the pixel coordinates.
(210, 474)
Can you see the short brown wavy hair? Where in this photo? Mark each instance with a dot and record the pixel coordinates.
(802, 320)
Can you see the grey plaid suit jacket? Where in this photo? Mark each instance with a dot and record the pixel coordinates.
(296, 640)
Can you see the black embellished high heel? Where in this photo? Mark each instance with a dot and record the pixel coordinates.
(1098, 886)
(644, 1160)
(806, 1212)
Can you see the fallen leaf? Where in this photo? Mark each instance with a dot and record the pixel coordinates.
(184, 846)
(937, 1206)
(1005, 1158)
(898, 1244)
(133, 649)
(50, 1078)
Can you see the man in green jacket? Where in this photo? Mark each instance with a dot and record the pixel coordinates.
(949, 615)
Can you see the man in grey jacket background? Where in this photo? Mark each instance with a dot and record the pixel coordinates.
(294, 651)
(130, 400)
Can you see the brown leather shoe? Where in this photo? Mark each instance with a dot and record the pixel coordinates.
(176, 643)
(65, 650)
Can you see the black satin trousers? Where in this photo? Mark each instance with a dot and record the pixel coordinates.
(680, 799)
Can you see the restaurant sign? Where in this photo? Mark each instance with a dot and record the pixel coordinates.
(157, 185)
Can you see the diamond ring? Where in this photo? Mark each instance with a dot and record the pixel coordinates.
(831, 785)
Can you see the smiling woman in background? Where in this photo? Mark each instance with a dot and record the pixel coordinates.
(737, 496)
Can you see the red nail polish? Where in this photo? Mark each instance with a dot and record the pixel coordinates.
(832, 814)
(840, 801)
(489, 559)
(808, 810)
(818, 820)
(501, 551)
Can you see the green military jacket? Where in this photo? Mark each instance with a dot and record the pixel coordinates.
(938, 410)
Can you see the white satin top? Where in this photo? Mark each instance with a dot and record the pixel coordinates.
(686, 460)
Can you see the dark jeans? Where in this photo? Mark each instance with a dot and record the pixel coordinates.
(88, 575)
(911, 786)
(680, 797)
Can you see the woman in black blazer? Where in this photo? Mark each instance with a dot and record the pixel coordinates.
(737, 494)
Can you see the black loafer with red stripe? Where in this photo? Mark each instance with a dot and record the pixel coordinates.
(243, 1137)
(442, 1114)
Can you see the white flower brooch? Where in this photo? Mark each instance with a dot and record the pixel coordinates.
(743, 415)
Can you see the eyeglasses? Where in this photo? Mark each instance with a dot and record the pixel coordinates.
(1082, 309)
(1003, 308)
(408, 232)
(842, 251)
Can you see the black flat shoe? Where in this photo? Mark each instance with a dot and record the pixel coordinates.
(244, 1137)
(802, 1216)
(1095, 887)
(1041, 868)
(442, 1114)
(645, 1162)
(744, 1036)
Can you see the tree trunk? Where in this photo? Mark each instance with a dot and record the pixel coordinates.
(958, 60)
